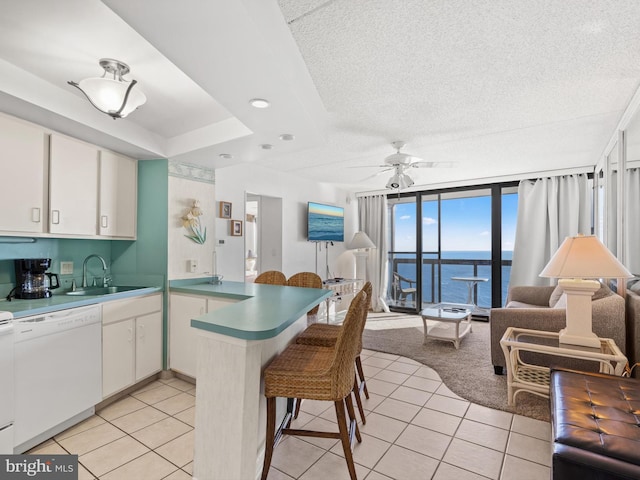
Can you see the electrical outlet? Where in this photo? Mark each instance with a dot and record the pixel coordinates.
(192, 266)
(66, 268)
(220, 242)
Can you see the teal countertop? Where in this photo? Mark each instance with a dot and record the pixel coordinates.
(262, 311)
(24, 308)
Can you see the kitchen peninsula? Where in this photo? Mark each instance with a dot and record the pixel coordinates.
(235, 343)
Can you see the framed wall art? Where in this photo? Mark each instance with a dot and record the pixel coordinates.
(225, 209)
(236, 228)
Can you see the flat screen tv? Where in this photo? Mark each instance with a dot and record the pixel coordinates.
(325, 223)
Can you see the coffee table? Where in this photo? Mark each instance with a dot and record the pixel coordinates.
(455, 321)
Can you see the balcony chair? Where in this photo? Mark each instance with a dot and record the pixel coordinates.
(317, 373)
(307, 280)
(324, 335)
(272, 277)
(401, 293)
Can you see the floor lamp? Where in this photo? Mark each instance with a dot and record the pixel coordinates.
(578, 263)
(361, 243)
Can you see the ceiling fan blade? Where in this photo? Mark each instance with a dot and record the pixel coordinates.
(368, 166)
(434, 164)
(377, 174)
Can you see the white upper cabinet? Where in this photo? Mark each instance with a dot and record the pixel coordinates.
(73, 187)
(23, 156)
(118, 195)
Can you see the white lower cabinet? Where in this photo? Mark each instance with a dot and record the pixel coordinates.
(182, 337)
(131, 341)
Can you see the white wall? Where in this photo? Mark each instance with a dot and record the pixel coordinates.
(182, 192)
(232, 183)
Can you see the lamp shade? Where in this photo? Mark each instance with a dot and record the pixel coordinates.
(584, 257)
(361, 240)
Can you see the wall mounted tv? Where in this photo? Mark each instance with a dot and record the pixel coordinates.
(325, 223)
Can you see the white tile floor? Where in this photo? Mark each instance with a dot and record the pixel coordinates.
(416, 429)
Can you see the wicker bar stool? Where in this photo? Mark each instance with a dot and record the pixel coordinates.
(324, 335)
(316, 373)
(272, 277)
(307, 280)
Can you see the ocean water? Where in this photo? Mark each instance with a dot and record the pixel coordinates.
(326, 227)
(452, 290)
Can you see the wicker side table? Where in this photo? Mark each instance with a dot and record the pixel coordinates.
(525, 377)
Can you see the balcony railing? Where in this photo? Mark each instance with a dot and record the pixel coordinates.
(437, 285)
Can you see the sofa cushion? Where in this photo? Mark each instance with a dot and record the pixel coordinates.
(555, 296)
(562, 302)
(602, 292)
(516, 304)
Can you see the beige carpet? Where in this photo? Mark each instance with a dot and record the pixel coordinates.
(468, 371)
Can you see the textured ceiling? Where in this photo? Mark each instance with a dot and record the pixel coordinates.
(498, 87)
(482, 88)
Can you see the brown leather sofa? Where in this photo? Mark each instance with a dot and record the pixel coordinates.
(595, 422)
(529, 307)
(632, 312)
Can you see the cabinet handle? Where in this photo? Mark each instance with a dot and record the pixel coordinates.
(55, 217)
(130, 334)
(35, 215)
(141, 327)
(104, 220)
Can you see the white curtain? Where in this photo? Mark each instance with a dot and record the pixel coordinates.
(549, 210)
(372, 215)
(632, 218)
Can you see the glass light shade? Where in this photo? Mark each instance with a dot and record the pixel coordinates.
(584, 257)
(361, 240)
(108, 95)
(400, 181)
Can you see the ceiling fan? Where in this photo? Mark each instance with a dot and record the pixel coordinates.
(400, 162)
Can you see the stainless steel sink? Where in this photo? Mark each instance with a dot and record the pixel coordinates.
(101, 290)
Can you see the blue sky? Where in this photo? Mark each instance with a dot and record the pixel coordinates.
(466, 224)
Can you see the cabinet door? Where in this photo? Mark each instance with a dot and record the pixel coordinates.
(117, 356)
(118, 195)
(23, 154)
(148, 345)
(73, 187)
(182, 337)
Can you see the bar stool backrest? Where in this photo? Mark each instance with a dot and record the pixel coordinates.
(307, 280)
(272, 277)
(346, 348)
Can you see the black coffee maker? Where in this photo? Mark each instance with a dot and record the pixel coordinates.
(32, 278)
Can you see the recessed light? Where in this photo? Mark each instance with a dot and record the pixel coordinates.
(259, 103)
(287, 137)
(266, 146)
(225, 155)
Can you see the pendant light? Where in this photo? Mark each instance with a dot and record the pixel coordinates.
(114, 96)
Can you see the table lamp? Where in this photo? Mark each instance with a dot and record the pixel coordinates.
(361, 243)
(577, 263)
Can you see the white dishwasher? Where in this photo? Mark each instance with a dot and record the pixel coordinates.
(6, 383)
(58, 372)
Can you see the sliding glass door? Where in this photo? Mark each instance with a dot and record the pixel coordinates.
(462, 241)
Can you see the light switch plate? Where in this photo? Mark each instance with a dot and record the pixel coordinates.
(66, 268)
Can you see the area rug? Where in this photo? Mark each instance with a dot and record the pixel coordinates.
(468, 371)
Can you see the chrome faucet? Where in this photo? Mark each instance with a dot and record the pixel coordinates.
(84, 268)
